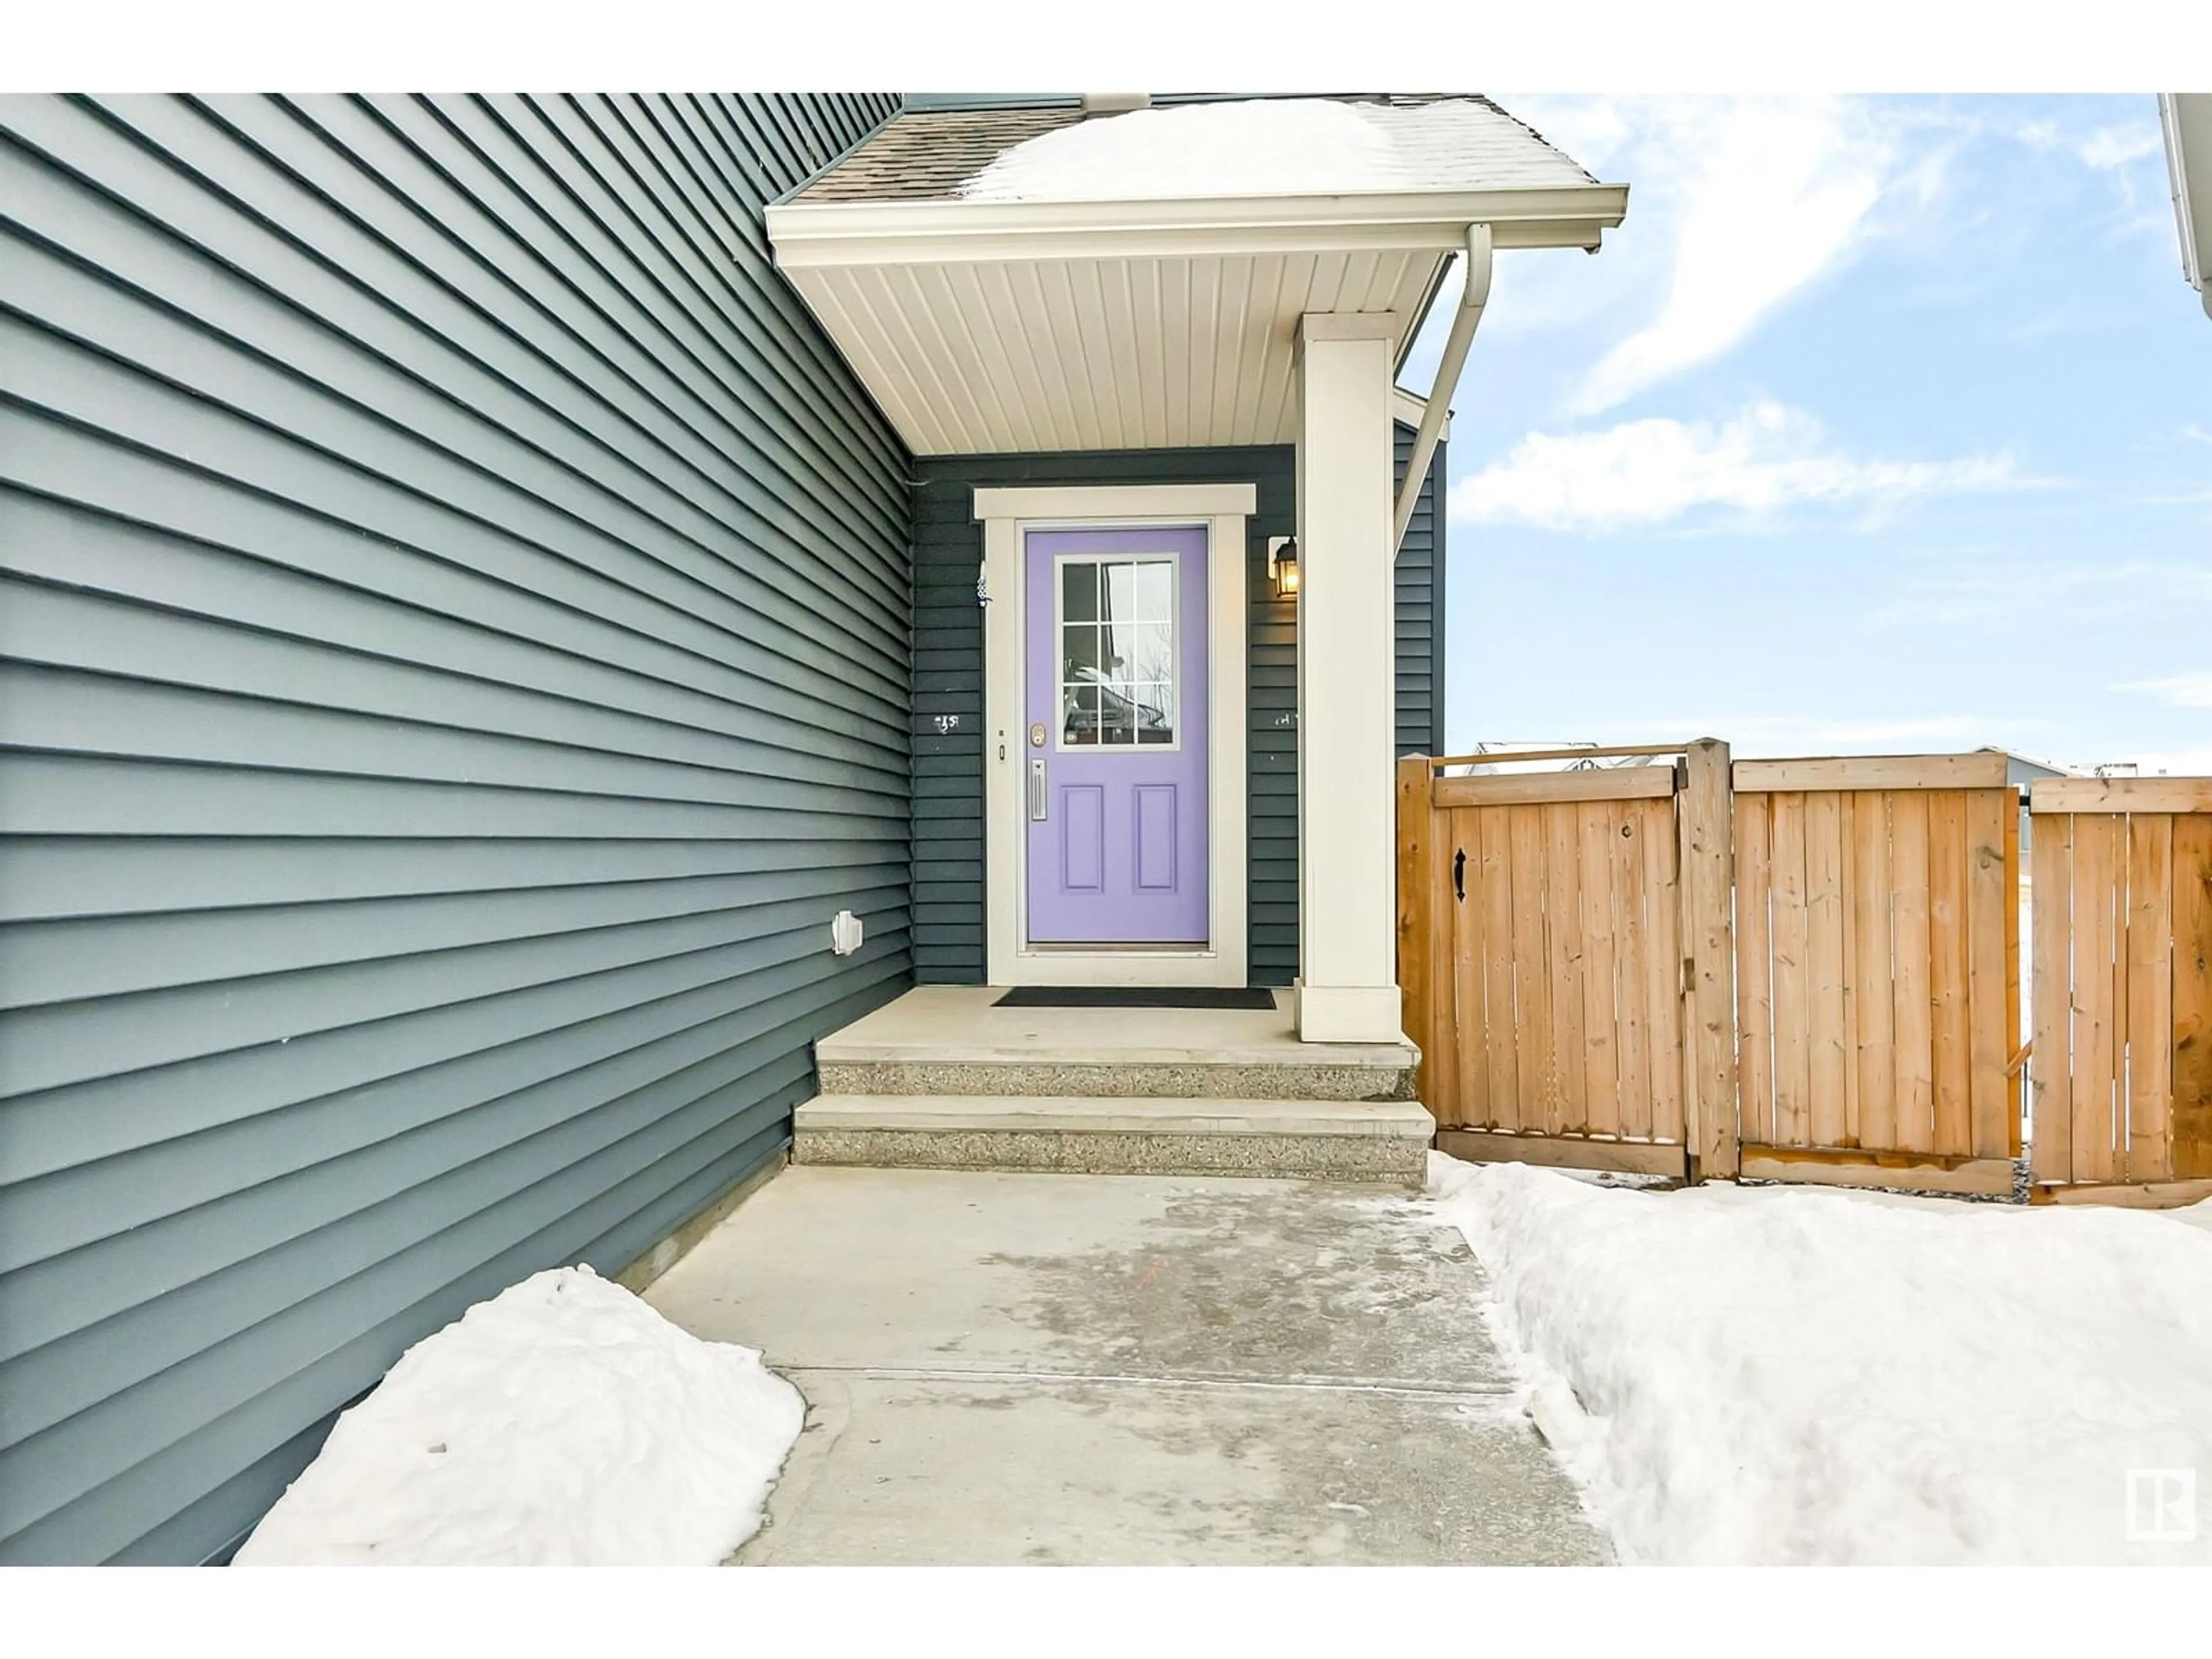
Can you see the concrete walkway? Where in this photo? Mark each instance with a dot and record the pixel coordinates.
(1124, 1369)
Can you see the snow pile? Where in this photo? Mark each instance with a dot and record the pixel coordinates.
(1276, 147)
(1800, 1375)
(564, 1422)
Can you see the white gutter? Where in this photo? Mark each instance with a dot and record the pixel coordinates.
(2186, 120)
(814, 234)
(1472, 299)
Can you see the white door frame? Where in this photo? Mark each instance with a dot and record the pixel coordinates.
(1006, 515)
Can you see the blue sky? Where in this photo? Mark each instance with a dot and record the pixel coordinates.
(1882, 425)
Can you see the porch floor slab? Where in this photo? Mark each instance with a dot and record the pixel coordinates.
(1011, 1368)
(960, 1023)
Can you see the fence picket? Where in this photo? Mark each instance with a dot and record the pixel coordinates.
(1601, 1027)
(1632, 942)
(2190, 1119)
(1793, 998)
(1912, 1086)
(1988, 1100)
(2149, 1012)
(1459, 975)
(1501, 1009)
(2052, 1066)
(1563, 937)
(1662, 983)
(1754, 979)
(1872, 993)
(1532, 1014)
(1947, 949)
(2096, 1049)
(1825, 937)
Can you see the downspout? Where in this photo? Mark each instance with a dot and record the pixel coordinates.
(1472, 299)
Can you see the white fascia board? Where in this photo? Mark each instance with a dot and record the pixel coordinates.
(1410, 406)
(955, 233)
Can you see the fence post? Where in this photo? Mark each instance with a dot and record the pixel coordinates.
(1415, 971)
(1708, 854)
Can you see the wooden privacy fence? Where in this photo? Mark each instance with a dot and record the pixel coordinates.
(2122, 980)
(1878, 970)
(1803, 970)
(1550, 925)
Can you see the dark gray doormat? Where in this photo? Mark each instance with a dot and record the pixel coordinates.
(1133, 996)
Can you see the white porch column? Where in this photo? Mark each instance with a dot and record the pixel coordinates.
(1347, 933)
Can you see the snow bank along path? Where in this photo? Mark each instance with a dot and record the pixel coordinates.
(1789, 1375)
(563, 1422)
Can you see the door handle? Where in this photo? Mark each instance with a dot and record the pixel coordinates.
(1037, 791)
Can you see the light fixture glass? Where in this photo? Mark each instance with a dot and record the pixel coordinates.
(1283, 564)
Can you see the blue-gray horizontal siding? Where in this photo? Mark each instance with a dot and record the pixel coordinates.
(454, 621)
(1421, 608)
(948, 685)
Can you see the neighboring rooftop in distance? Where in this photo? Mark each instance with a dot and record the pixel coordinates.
(2023, 769)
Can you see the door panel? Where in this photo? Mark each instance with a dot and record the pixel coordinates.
(1115, 698)
(1082, 838)
(1155, 837)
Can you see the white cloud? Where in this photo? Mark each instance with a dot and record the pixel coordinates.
(2182, 691)
(1752, 199)
(1649, 471)
(1738, 205)
(2115, 147)
(2003, 590)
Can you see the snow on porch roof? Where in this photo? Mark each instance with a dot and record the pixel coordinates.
(1352, 144)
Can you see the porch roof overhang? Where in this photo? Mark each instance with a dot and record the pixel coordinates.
(986, 326)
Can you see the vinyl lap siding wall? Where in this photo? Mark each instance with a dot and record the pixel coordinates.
(1420, 610)
(948, 683)
(453, 663)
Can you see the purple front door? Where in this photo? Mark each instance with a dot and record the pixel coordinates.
(1114, 738)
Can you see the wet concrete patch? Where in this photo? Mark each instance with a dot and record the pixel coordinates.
(1238, 1283)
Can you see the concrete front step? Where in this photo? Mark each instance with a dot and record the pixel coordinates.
(1370, 1141)
(1381, 1075)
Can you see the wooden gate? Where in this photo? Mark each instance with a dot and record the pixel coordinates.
(2123, 987)
(1878, 970)
(1544, 925)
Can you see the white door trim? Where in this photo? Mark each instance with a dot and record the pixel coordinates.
(1005, 514)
